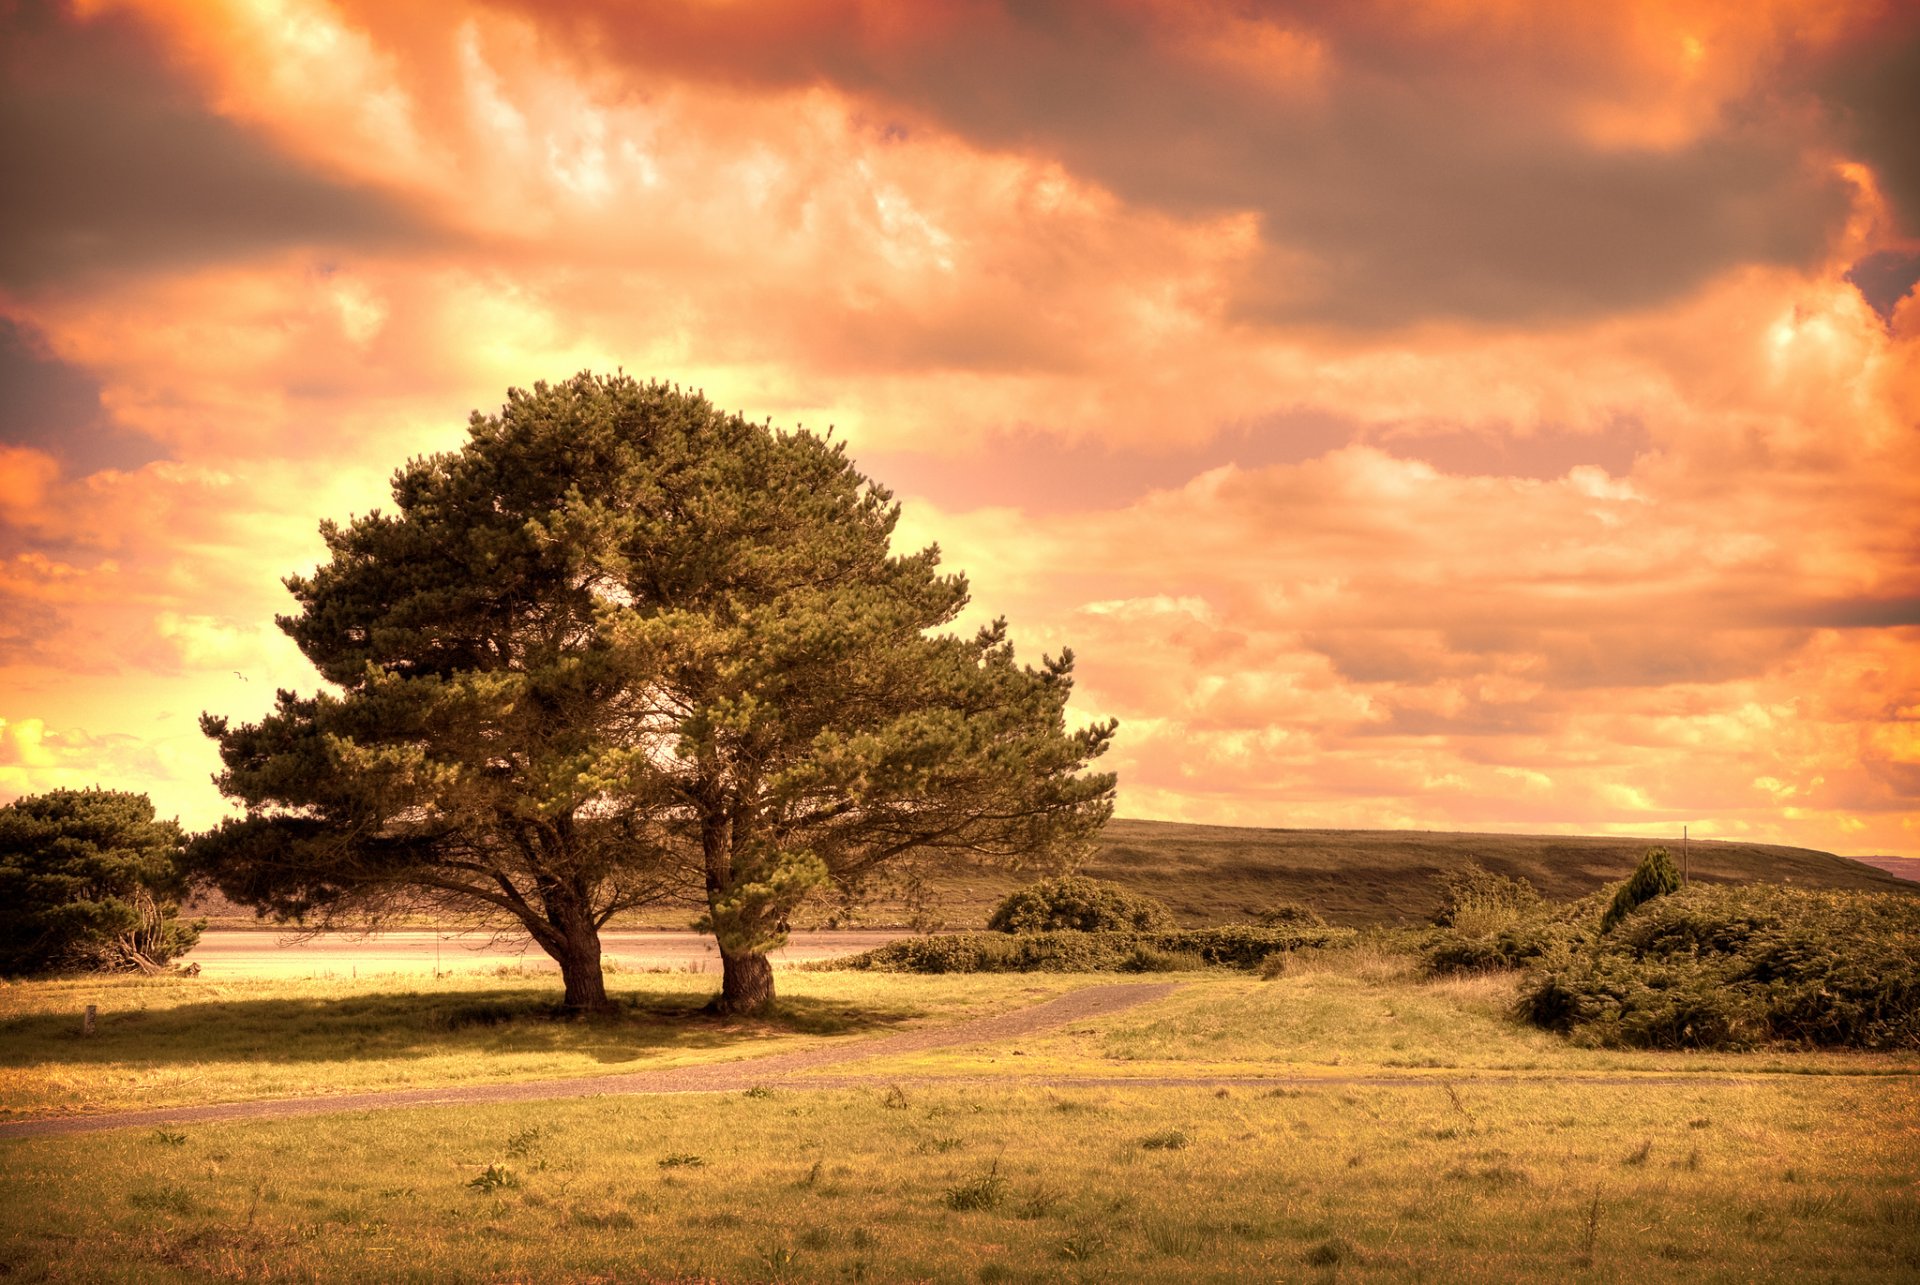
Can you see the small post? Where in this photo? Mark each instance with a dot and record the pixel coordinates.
(86, 1020)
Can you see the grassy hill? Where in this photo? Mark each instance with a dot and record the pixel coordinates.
(1223, 874)
(1213, 874)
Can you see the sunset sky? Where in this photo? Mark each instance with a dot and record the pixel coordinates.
(1459, 414)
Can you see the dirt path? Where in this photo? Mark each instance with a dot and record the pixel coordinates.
(1093, 1001)
(796, 1071)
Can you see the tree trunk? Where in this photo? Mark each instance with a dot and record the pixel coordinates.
(746, 984)
(578, 955)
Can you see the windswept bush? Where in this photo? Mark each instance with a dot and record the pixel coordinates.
(1548, 932)
(1472, 895)
(1289, 914)
(1729, 967)
(1075, 903)
(1487, 921)
(1655, 876)
(90, 879)
(1097, 952)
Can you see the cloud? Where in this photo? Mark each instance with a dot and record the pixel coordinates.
(1401, 170)
(114, 167)
(1875, 89)
(1884, 278)
(1411, 417)
(55, 407)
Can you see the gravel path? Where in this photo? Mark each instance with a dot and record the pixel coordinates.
(1092, 1001)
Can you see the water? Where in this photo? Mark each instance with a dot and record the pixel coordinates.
(240, 953)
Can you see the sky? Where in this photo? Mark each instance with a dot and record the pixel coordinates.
(1444, 414)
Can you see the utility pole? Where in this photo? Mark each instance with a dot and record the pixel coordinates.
(1683, 856)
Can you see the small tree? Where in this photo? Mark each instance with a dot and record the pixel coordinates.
(1076, 903)
(1655, 876)
(622, 646)
(89, 879)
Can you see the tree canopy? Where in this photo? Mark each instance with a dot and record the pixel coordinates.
(89, 879)
(622, 646)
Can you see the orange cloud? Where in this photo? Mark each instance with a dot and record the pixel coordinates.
(1459, 416)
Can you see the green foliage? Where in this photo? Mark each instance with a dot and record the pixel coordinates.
(1656, 876)
(1474, 899)
(1486, 940)
(1082, 952)
(623, 645)
(1720, 967)
(1151, 959)
(1075, 903)
(1289, 914)
(89, 879)
(1488, 921)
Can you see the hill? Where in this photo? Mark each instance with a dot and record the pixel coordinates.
(1224, 874)
(1904, 867)
(1210, 874)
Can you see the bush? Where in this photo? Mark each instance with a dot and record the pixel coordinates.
(1488, 922)
(1083, 952)
(1473, 898)
(89, 879)
(1655, 876)
(1515, 946)
(1075, 903)
(1728, 967)
(1289, 914)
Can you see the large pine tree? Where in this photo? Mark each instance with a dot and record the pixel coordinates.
(621, 646)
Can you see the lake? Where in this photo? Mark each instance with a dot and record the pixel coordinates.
(243, 953)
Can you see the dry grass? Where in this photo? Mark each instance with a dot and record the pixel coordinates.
(1498, 1156)
(1346, 1011)
(1520, 1182)
(169, 1040)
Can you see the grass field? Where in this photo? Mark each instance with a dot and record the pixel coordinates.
(165, 1041)
(1491, 1152)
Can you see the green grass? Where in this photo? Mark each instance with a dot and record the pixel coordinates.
(169, 1040)
(1792, 1178)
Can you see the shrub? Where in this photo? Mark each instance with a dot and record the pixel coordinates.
(1289, 914)
(1655, 876)
(1075, 903)
(1144, 958)
(1547, 933)
(1474, 898)
(1727, 967)
(1509, 929)
(1081, 952)
(89, 879)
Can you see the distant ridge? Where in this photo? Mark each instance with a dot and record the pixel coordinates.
(1901, 867)
(1225, 874)
(1211, 874)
